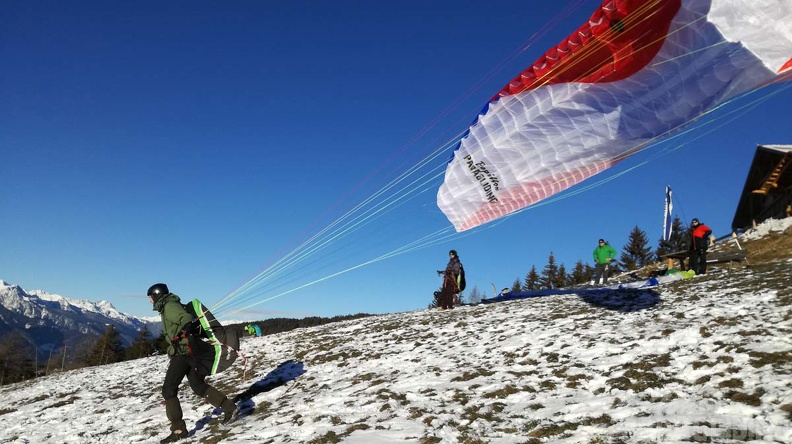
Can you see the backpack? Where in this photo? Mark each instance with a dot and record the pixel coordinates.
(214, 347)
(461, 279)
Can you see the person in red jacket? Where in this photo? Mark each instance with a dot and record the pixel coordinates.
(699, 239)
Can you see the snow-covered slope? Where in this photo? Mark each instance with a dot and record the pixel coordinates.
(704, 360)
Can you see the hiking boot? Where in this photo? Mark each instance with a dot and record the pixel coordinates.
(229, 408)
(178, 427)
(230, 414)
(175, 435)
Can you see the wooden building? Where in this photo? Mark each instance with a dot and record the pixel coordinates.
(768, 188)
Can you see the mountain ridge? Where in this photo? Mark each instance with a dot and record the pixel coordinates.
(52, 322)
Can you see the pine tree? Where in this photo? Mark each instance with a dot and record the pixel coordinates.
(142, 346)
(531, 282)
(475, 296)
(107, 349)
(162, 343)
(549, 273)
(581, 274)
(636, 254)
(562, 279)
(16, 358)
(515, 288)
(678, 240)
(434, 304)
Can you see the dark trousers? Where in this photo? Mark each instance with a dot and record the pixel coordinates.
(601, 271)
(698, 261)
(447, 294)
(178, 368)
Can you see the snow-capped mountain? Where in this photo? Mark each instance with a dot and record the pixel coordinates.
(51, 321)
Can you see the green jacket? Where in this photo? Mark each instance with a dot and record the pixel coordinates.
(174, 317)
(601, 254)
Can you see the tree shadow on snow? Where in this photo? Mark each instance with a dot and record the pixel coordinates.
(282, 374)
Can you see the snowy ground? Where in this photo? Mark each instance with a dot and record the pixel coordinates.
(705, 360)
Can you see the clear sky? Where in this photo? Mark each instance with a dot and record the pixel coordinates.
(198, 143)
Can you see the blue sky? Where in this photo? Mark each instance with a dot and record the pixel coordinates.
(197, 143)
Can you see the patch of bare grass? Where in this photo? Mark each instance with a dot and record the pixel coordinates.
(468, 375)
(780, 361)
(483, 412)
(770, 248)
(731, 383)
(502, 392)
(63, 402)
(788, 409)
(752, 399)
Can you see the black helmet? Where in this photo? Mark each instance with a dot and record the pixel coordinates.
(157, 291)
(694, 221)
(453, 252)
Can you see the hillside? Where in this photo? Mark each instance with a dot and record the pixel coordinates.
(705, 360)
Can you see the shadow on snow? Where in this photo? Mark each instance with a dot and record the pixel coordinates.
(282, 374)
(619, 299)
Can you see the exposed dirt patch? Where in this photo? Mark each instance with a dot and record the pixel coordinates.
(775, 246)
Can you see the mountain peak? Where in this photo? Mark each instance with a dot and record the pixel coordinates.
(59, 321)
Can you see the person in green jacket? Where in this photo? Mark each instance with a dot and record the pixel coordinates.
(604, 254)
(253, 330)
(180, 327)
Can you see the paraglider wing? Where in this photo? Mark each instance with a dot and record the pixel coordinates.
(636, 71)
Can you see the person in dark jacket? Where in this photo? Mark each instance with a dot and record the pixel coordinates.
(604, 254)
(450, 281)
(179, 325)
(699, 240)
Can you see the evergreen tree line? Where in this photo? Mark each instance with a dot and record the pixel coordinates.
(21, 361)
(634, 255)
(19, 357)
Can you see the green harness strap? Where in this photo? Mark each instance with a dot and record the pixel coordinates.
(198, 307)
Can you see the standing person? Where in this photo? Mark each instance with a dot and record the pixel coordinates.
(179, 325)
(603, 256)
(699, 238)
(450, 281)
